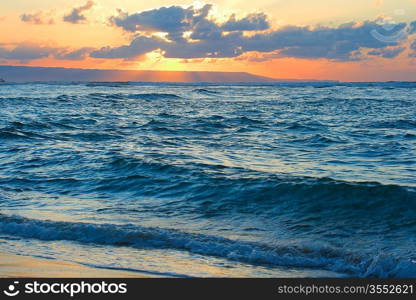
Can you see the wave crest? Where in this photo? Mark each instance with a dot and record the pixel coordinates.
(248, 252)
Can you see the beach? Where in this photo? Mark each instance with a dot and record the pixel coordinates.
(17, 266)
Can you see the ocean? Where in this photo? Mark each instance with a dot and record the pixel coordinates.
(212, 180)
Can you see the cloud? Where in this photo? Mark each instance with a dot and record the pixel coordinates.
(258, 57)
(412, 27)
(78, 54)
(164, 19)
(387, 52)
(177, 20)
(341, 43)
(192, 33)
(76, 16)
(173, 20)
(26, 52)
(252, 22)
(413, 49)
(38, 18)
(138, 46)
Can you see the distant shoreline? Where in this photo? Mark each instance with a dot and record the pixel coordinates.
(29, 74)
(25, 74)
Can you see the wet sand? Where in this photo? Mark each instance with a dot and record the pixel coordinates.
(25, 266)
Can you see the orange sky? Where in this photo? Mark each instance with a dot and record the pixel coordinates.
(45, 27)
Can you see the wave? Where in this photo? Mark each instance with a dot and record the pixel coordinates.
(142, 96)
(322, 257)
(244, 178)
(154, 96)
(6, 134)
(96, 96)
(19, 99)
(31, 129)
(305, 126)
(205, 92)
(215, 187)
(15, 134)
(396, 124)
(318, 140)
(225, 191)
(205, 191)
(108, 84)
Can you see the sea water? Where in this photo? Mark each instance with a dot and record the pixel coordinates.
(210, 180)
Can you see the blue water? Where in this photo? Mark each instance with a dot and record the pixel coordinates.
(278, 180)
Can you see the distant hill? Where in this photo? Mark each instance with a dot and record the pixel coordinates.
(30, 74)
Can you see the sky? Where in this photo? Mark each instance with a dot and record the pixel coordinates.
(355, 40)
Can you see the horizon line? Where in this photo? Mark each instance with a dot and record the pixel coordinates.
(272, 79)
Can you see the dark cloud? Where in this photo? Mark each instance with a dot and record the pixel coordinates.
(252, 22)
(209, 39)
(140, 45)
(173, 20)
(412, 27)
(77, 14)
(413, 49)
(38, 18)
(342, 43)
(164, 19)
(387, 53)
(176, 20)
(79, 54)
(26, 52)
(206, 30)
